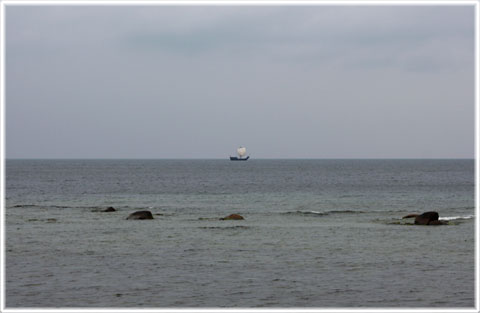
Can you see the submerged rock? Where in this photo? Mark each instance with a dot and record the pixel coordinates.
(232, 217)
(437, 222)
(140, 215)
(109, 209)
(99, 209)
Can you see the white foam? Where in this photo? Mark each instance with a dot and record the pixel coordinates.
(449, 218)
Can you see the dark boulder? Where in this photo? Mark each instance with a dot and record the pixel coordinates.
(109, 209)
(429, 218)
(232, 217)
(140, 215)
(426, 218)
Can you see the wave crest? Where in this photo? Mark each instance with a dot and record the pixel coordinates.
(451, 218)
(299, 212)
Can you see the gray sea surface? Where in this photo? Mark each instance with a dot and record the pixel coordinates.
(316, 233)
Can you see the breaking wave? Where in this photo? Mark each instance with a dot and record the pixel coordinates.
(40, 206)
(322, 213)
(451, 218)
(92, 207)
(225, 227)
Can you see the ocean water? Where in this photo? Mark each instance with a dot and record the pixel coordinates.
(317, 233)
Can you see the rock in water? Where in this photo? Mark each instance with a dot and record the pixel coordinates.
(140, 215)
(438, 223)
(109, 209)
(427, 218)
(232, 217)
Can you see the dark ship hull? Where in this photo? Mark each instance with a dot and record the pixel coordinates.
(239, 159)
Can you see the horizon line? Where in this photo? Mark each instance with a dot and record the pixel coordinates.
(226, 158)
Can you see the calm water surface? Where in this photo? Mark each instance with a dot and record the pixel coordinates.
(317, 233)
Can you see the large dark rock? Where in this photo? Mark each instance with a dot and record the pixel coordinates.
(232, 217)
(140, 215)
(428, 218)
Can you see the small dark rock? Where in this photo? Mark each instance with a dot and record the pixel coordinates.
(140, 215)
(232, 217)
(109, 209)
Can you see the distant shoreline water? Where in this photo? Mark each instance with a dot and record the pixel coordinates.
(316, 233)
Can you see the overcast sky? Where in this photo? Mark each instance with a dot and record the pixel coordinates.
(197, 82)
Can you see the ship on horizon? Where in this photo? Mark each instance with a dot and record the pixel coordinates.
(241, 151)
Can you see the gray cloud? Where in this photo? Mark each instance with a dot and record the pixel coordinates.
(160, 81)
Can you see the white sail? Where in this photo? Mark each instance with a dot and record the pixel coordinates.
(241, 151)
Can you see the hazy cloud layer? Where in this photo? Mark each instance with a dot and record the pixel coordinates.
(197, 81)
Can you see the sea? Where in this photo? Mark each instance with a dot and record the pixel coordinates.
(315, 234)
